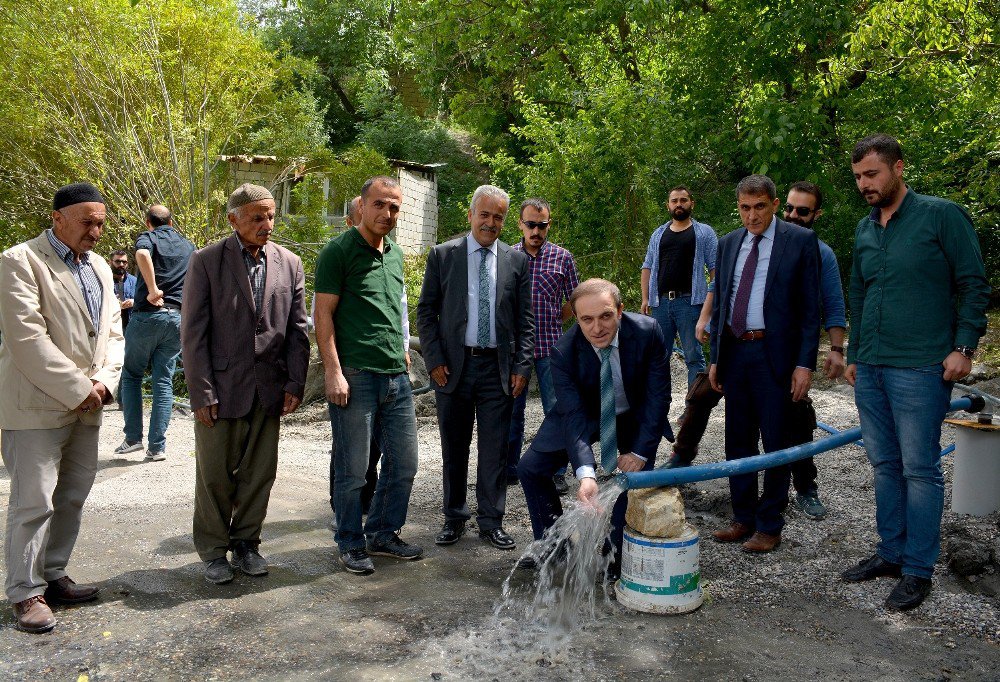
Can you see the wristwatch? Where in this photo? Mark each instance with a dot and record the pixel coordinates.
(837, 349)
(967, 351)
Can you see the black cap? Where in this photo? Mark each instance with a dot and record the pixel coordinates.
(77, 193)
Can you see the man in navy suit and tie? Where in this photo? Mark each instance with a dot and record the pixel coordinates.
(765, 336)
(612, 384)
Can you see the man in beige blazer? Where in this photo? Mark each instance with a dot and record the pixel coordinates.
(60, 359)
(245, 349)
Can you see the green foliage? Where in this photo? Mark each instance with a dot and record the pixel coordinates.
(141, 98)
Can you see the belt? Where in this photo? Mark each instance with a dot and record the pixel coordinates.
(479, 351)
(171, 306)
(748, 335)
(673, 295)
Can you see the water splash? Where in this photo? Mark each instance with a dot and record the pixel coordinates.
(533, 622)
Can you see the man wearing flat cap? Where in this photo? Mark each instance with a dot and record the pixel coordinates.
(245, 351)
(60, 361)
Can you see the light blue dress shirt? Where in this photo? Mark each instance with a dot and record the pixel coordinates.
(755, 310)
(472, 302)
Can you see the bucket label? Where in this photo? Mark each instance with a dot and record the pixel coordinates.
(679, 584)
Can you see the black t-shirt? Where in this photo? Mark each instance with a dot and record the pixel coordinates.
(676, 261)
(170, 253)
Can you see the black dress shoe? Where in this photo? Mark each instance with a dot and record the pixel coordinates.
(871, 568)
(909, 593)
(561, 486)
(498, 538)
(451, 531)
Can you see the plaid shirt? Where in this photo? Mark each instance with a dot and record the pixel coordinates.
(85, 276)
(256, 271)
(553, 279)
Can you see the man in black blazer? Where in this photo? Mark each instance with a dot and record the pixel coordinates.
(765, 336)
(477, 333)
(642, 397)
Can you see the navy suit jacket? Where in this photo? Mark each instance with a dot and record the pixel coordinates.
(574, 424)
(791, 299)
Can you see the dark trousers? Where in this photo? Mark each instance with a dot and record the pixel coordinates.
(535, 470)
(699, 402)
(801, 424)
(478, 399)
(756, 407)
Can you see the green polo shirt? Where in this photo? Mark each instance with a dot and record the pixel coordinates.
(369, 316)
(918, 285)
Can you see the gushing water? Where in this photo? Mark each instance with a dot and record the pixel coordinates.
(533, 621)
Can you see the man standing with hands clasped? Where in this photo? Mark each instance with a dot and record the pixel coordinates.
(60, 360)
(915, 257)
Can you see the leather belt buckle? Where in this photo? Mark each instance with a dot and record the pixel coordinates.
(479, 351)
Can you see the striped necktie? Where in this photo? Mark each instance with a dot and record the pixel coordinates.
(483, 326)
(609, 416)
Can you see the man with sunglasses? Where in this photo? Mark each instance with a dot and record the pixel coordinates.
(803, 207)
(553, 278)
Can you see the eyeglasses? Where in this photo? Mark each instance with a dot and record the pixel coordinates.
(801, 210)
(533, 225)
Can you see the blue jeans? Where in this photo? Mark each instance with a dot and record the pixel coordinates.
(516, 440)
(153, 339)
(679, 317)
(901, 410)
(388, 400)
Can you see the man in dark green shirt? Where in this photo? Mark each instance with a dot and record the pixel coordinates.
(918, 298)
(359, 292)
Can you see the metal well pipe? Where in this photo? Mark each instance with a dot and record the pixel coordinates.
(663, 477)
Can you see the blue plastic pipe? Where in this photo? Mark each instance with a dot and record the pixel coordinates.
(663, 477)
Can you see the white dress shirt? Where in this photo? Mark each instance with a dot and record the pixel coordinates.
(472, 302)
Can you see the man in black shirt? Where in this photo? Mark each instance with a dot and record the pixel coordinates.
(153, 338)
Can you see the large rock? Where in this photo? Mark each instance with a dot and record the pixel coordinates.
(968, 556)
(656, 512)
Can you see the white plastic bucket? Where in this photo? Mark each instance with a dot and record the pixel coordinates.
(976, 483)
(660, 575)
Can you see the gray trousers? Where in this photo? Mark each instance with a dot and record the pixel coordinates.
(237, 461)
(51, 474)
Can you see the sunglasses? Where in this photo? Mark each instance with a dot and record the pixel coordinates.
(533, 225)
(801, 210)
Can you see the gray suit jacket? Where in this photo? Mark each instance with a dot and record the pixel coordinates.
(442, 313)
(230, 353)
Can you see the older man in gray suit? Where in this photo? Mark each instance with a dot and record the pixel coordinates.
(243, 334)
(477, 332)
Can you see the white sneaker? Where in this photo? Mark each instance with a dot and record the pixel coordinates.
(127, 447)
(155, 456)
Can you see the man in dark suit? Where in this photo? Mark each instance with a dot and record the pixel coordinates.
(765, 336)
(243, 334)
(635, 392)
(477, 332)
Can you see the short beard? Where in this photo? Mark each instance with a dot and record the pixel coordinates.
(889, 195)
(680, 214)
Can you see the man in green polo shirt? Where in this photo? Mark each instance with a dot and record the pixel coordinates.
(359, 291)
(918, 308)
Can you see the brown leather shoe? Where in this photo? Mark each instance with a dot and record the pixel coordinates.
(65, 591)
(34, 615)
(761, 542)
(736, 531)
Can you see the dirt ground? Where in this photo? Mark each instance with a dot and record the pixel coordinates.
(776, 617)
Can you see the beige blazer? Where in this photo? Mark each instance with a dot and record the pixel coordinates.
(50, 354)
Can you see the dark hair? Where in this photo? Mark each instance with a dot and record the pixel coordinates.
(681, 188)
(119, 252)
(595, 286)
(809, 188)
(535, 203)
(886, 146)
(159, 216)
(391, 183)
(755, 185)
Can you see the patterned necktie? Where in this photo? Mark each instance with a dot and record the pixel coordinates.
(483, 326)
(742, 302)
(609, 417)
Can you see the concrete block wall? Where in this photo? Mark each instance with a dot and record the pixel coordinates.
(416, 228)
